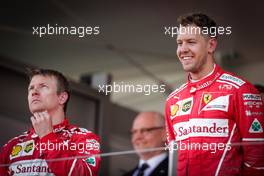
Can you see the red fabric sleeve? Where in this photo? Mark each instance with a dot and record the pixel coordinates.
(82, 145)
(169, 126)
(249, 116)
(4, 160)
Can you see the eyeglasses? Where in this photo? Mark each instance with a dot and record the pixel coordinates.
(145, 130)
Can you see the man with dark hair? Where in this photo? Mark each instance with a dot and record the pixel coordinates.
(52, 146)
(217, 128)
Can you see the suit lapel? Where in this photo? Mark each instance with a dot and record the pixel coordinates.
(161, 169)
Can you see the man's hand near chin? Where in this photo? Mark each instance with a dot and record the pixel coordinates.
(42, 123)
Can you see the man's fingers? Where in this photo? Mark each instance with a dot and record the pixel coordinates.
(33, 120)
(42, 124)
(36, 115)
(39, 116)
(42, 115)
(45, 115)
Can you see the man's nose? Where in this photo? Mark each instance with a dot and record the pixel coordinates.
(184, 48)
(35, 91)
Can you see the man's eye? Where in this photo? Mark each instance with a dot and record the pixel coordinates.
(43, 86)
(144, 130)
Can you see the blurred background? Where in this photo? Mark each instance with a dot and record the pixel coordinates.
(131, 48)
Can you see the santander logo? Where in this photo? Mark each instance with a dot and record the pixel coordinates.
(29, 167)
(201, 127)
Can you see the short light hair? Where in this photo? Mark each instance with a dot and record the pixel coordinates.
(62, 82)
(199, 19)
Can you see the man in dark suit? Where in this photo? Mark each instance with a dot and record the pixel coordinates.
(148, 131)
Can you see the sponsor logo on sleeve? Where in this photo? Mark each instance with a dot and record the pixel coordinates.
(252, 104)
(94, 144)
(174, 109)
(225, 87)
(91, 161)
(252, 113)
(29, 147)
(233, 79)
(187, 106)
(252, 97)
(182, 107)
(255, 127)
(16, 150)
(22, 149)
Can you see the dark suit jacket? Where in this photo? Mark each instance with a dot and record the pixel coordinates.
(160, 170)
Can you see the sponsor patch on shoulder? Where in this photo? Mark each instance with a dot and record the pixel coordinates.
(233, 79)
(250, 96)
(182, 107)
(91, 161)
(253, 113)
(253, 104)
(22, 149)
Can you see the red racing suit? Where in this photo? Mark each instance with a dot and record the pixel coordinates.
(73, 148)
(217, 123)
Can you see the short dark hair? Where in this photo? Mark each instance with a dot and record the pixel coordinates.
(199, 19)
(62, 82)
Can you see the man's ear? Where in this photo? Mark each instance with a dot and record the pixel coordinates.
(63, 97)
(212, 43)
